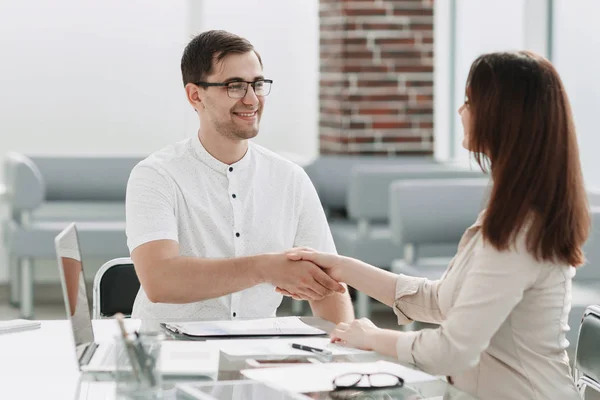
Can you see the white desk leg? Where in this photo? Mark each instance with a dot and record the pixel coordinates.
(26, 267)
(14, 280)
(297, 307)
(363, 308)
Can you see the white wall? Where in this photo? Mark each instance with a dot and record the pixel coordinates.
(577, 57)
(91, 77)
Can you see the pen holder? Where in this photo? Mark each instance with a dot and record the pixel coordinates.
(137, 372)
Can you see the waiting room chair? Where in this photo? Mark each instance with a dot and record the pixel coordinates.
(436, 212)
(367, 236)
(586, 369)
(115, 287)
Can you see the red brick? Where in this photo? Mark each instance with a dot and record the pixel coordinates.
(421, 27)
(419, 83)
(383, 27)
(378, 111)
(401, 139)
(355, 41)
(364, 11)
(361, 68)
(356, 54)
(375, 97)
(425, 110)
(413, 68)
(381, 41)
(378, 83)
(401, 54)
(413, 12)
(390, 125)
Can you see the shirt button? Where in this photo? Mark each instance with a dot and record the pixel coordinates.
(230, 169)
(234, 314)
(237, 234)
(234, 196)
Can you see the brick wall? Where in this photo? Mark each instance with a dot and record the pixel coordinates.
(376, 77)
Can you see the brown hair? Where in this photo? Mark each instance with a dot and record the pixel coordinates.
(522, 130)
(209, 46)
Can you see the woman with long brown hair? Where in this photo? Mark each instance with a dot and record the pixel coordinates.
(503, 303)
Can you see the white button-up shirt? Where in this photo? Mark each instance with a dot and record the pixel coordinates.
(263, 203)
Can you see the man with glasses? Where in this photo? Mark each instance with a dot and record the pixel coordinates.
(208, 218)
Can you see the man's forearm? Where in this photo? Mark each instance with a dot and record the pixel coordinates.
(335, 308)
(187, 279)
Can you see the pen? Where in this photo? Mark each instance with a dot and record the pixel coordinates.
(314, 350)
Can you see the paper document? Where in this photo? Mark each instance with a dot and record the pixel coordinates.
(253, 327)
(319, 377)
(280, 347)
(18, 325)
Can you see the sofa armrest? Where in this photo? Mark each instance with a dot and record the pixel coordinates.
(25, 187)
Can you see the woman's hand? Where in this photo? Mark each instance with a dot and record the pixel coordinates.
(332, 264)
(358, 334)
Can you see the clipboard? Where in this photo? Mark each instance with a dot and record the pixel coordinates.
(266, 327)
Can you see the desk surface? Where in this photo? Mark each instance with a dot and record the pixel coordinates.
(41, 363)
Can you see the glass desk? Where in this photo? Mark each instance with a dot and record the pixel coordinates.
(230, 367)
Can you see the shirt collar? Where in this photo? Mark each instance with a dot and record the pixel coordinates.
(217, 165)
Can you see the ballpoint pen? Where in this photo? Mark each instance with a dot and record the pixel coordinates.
(314, 350)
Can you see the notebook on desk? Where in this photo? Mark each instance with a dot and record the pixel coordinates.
(282, 326)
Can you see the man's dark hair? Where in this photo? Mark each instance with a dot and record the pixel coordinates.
(207, 49)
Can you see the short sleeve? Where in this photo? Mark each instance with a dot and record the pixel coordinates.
(150, 207)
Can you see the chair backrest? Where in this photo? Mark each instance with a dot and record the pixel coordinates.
(434, 211)
(591, 270)
(115, 287)
(368, 195)
(587, 354)
(331, 174)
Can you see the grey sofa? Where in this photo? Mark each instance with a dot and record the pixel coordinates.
(44, 194)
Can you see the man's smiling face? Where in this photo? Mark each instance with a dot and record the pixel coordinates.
(235, 118)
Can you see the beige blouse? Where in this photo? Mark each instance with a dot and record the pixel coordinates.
(503, 318)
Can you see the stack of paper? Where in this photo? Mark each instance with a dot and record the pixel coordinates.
(309, 378)
(280, 347)
(18, 325)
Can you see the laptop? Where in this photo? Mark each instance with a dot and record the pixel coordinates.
(177, 359)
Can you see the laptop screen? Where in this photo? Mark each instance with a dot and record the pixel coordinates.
(70, 268)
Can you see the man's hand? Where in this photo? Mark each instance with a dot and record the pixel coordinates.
(332, 264)
(302, 278)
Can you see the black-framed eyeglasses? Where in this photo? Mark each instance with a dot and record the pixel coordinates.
(238, 89)
(374, 381)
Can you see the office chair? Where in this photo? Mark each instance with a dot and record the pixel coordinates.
(115, 287)
(586, 371)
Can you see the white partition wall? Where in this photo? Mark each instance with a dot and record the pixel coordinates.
(465, 29)
(576, 55)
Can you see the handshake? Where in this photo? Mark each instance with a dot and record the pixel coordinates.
(306, 274)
